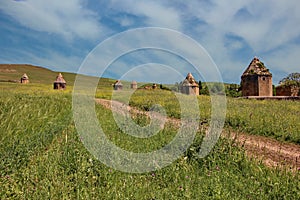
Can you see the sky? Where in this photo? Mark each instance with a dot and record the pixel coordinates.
(62, 36)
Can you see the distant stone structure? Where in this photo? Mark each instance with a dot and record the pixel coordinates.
(189, 86)
(154, 86)
(59, 83)
(257, 80)
(133, 85)
(24, 79)
(288, 90)
(118, 85)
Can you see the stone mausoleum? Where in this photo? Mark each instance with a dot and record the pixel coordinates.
(24, 79)
(118, 85)
(59, 83)
(257, 80)
(189, 86)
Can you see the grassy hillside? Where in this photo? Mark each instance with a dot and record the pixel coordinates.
(36, 74)
(42, 157)
(41, 76)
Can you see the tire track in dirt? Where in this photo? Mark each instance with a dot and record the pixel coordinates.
(271, 152)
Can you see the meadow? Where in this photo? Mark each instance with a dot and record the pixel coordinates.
(42, 156)
(277, 119)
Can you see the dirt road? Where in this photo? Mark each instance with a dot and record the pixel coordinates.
(271, 152)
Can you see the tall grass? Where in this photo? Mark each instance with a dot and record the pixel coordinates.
(276, 119)
(42, 157)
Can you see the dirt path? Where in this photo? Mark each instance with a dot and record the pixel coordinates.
(273, 153)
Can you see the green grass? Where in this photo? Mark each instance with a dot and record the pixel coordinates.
(36, 74)
(42, 157)
(276, 119)
(40, 75)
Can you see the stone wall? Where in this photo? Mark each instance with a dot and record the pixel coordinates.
(290, 90)
(265, 86)
(250, 85)
(257, 85)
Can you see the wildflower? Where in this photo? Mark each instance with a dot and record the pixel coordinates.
(208, 174)
(153, 174)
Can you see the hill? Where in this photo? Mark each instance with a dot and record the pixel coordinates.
(41, 75)
(36, 74)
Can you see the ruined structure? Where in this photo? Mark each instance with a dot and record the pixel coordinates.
(59, 83)
(256, 80)
(24, 79)
(189, 86)
(118, 85)
(133, 85)
(288, 90)
(154, 86)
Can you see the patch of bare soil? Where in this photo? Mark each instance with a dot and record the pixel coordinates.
(8, 70)
(271, 152)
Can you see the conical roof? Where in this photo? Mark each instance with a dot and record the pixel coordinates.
(25, 77)
(189, 80)
(60, 79)
(256, 67)
(118, 82)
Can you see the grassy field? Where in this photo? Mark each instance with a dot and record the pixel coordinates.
(42, 157)
(276, 119)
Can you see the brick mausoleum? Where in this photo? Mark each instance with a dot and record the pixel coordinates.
(257, 80)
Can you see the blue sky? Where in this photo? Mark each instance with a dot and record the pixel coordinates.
(60, 34)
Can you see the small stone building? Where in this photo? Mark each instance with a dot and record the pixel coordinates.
(189, 86)
(118, 85)
(133, 85)
(287, 90)
(256, 80)
(24, 79)
(59, 83)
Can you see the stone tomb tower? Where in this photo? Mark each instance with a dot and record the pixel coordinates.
(24, 79)
(257, 80)
(133, 85)
(118, 85)
(189, 86)
(59, 83)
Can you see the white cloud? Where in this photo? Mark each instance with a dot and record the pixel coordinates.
(231, 31)
(125, 21)
(285, 59)
(268, 24)
(154, 12)
(67, 18)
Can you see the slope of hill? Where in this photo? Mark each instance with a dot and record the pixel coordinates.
(37, 74)
(13, 72)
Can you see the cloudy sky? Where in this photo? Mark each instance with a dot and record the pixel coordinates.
(60, 35)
